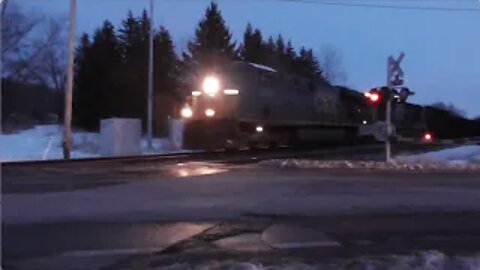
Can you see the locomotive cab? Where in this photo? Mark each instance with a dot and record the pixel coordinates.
(246, 104)
(212, 109)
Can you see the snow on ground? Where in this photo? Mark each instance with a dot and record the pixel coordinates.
(469, 154)
(44, 142)
(426, 260)
(459, 158)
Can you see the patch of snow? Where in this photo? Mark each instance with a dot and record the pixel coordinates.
(458, 156)
(159, 145)
(262, 67)
(369, 165)
(44, 142)
(427, 260)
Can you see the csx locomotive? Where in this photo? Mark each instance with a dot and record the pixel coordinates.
(246, 104)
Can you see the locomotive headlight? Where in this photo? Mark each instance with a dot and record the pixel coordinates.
(211, 85)
(259, 129)
(209, 112)
(196, 93)
(230, 92)
(186, 112)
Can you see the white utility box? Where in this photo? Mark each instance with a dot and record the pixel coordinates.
(120, 137)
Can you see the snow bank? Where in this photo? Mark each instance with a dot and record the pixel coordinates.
(370, 165)
(428, 260)
(45, 142)
(469, 154)
(460, 158)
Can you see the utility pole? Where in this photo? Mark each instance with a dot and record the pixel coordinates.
(150, 81)
(67, 128)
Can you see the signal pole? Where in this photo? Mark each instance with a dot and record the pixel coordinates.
(67, 125)
(394, 79)
(150, 81)
(388, 120)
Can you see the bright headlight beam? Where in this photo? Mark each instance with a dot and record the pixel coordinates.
(231, 92)
(186, 112)
(209, 112)
(196, 93)
(211, 85)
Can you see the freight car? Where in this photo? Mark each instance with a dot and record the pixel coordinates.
(246, 104)
(413, 120)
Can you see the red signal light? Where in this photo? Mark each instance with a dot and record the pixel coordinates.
(373, 96)
(428, 136)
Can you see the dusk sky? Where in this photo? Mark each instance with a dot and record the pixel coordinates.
(442, 60)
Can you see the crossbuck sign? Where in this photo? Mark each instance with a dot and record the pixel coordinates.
(395, 72)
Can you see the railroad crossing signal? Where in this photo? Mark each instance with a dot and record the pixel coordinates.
(404, 94)
(395, 72)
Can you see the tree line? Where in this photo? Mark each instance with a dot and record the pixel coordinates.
(111, 66)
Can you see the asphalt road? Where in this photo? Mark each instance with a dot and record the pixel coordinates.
(91, 245)
(152, 207)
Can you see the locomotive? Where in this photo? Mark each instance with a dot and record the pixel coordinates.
(247, 104)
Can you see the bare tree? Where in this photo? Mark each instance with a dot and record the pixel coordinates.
(34, 49)
(48, 67)
(331, 64)
(16, 42)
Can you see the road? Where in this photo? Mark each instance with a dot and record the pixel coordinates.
(147, 212)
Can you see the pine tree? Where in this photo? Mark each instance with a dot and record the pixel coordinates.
(290, 57)
(133, 36)
(96, 84)
(280, 46)
(82, 93)
(270, 53)
(212, 45)
(307, 65)
(252, 49)
(165, 80)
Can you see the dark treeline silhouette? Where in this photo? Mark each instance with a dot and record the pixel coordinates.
(277, 54)
(111, 73)
(25, 104)
(112, 66)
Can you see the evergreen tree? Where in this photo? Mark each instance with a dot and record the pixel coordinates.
(270, 53)
(212, 45)
(307, 65)
(134, 36)
(165, 80)
(290, 57)
(96, 84)
(82, 93)
(252, 48)
(280, 46)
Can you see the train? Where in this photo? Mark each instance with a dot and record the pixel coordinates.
(246, 104)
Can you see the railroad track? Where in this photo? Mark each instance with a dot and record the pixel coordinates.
(60, 175)
(246, 155)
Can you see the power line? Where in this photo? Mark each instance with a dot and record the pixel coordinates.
(382, 6)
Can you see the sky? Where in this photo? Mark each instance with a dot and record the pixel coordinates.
(442, 61)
